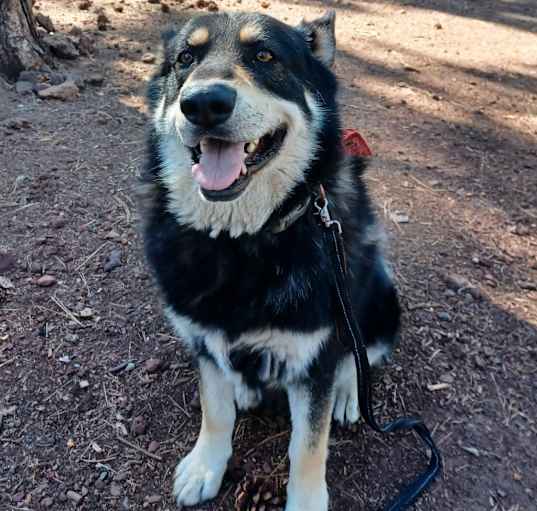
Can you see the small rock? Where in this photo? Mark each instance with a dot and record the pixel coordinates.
(399, 217)
(152, 365)
(479, 362)
(138, 425)
(115, 490)
(84, 5)
(212, 7)
(85, 45)
(61, 46)
(17, 123)
(45, 22)
(154, 446)
(153, 499)
(40, 86)
(529, 286)
(59, 222)
(84, 384)
(148, 58)
(438, 26)
(113, 261)
(65, 91)
(47, 502)
(456, 282)
(24, 88)
(164, 7)
(95, 79)
(476, 293)
(102, 21)
(201, 4)
(117, 7)
(46, 281)
(5, 283)
(444, 316)
(265, 4)
(86, 313)
(65, 359)
(74, 496)
(7, 262)
(436, 97)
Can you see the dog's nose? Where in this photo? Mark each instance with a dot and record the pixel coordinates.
(209, 107)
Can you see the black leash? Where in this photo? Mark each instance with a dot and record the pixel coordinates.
(349, 332)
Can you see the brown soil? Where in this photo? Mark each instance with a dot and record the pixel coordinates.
(445, 92)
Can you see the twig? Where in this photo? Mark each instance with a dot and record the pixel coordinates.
(67, 312)
(7, 362)
(91, 256)
(266, 441)
(138, 448)
(104, 460)
(19, 209)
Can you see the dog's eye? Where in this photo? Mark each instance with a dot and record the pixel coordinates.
(186, 58)
(264, 56)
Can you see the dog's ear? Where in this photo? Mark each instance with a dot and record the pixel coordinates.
(320, 34)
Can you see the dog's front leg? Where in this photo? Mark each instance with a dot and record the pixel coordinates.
(198, 476)
(311, 409)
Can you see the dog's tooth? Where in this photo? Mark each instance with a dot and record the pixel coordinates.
(244, 170)
(250, 147)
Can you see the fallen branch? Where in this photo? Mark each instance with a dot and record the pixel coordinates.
(138, 448)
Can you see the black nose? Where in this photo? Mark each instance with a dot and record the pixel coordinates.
(209, 107)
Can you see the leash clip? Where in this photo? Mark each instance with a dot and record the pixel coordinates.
(321, 205)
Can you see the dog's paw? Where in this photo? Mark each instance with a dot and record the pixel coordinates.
(302, 499)
(198, 476)
(346, 409)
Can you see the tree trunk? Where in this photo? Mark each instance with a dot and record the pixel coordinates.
(20, 48)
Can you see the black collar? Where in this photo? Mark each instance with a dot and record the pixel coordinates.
(283, 223)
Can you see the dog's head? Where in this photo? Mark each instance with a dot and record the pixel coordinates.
(240, 107)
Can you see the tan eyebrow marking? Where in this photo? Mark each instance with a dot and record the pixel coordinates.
(199, 36)
(250, 33)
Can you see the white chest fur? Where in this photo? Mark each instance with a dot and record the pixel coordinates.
(296, 350)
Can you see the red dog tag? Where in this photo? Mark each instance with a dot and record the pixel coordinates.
(354, 144)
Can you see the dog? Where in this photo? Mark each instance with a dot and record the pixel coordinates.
(244, 127)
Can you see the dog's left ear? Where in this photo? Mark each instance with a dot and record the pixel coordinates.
(320, 34)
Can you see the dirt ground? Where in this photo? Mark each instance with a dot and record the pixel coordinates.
(445, 92)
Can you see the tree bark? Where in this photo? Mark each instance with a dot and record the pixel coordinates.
(20, 48)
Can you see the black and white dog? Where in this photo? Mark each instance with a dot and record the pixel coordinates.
(244, 126)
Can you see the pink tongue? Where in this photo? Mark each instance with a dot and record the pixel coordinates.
(220, 164)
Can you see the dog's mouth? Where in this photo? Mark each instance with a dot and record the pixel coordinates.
(224, 169)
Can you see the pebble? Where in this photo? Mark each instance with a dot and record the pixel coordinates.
(153, 499)
(138, 425)
(444, 316)
(95, 79)
(265, 5)
(153, 446)
(45, 22)
(148, 58)
(86, 313)
(164, 7)
(399, 217)
(17, 123)
(456, 282)
(84, 5)
(61, 46)
(447, 378)
(113, 261)
(212, 7)
(65, 91)
(84, 384)
(46, 281)
(152, 365)
(7, 262)
(5, 283)
(47, 502)
(102, 21)
(74, 496)
(115, 490)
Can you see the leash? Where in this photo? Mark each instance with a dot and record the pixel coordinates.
(349, 332)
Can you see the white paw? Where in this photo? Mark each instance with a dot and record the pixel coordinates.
(346, 408)
(198, 476)
(302, 500)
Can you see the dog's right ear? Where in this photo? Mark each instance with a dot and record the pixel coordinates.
(320, 35)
